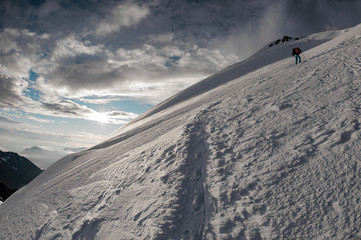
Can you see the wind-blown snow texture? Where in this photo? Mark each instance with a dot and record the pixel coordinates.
(264, 149)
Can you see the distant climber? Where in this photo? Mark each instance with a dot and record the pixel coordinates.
(296, 52)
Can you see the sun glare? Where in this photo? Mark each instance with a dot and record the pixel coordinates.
(100, 117)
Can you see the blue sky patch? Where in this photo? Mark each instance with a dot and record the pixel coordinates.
(172, 60)
(30, 91)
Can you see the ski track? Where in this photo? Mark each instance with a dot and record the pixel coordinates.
(274, 159)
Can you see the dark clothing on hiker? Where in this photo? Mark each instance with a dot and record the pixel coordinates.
(296, 52)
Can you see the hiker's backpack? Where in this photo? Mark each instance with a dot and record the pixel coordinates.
(296, 51)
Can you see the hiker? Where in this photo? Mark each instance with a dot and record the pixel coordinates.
(296, 52)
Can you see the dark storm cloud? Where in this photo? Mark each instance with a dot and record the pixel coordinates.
(47, 15)
(202, 19)
(309, 16)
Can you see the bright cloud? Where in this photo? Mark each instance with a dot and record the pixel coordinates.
(124, 15)
(72, 46)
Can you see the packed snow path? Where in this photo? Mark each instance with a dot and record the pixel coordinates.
(273, 154)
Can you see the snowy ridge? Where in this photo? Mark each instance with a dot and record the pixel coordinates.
(262, 150)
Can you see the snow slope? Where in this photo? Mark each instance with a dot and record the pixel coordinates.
(264, 149)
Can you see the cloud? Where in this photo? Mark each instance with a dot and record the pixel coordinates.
(22, 116)
(40, 120)
(114, 117)
(161, 38)
(8, 120)
(26, 132)
(18, 51)
(9, 95)
(124, 15)
(48, 8)
(102, 99)
(307, 16)
(71, 46)
(122, 114)
(66, 108)
(246, 38)
(74, 150)
(120, 117)
(78, 69)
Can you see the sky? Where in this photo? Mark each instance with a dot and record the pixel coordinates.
(72, 72)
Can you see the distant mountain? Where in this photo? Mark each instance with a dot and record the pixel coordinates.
(41, 157)
(34, 151)
(16, 171)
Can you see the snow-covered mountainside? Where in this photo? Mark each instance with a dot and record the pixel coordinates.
(265, 149)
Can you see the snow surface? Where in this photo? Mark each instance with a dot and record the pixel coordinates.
(265, 149)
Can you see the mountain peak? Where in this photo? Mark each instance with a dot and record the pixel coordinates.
(33, 150)
(284, 39)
